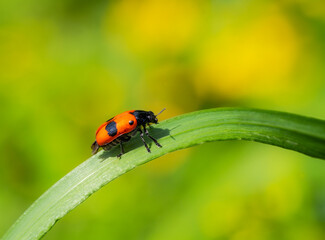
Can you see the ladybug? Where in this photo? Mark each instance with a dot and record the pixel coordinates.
(122, 127)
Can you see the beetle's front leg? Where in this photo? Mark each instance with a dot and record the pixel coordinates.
(144, 142)
(152, 138)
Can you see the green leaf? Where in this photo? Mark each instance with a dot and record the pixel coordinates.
(302, 134)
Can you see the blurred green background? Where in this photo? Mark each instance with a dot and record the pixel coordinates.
(67, 66)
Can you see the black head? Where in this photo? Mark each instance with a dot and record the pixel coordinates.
(145, 117)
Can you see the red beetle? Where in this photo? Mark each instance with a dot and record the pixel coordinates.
(122, 127)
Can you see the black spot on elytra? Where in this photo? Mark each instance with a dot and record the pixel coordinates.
(131, 122)
(111, 129)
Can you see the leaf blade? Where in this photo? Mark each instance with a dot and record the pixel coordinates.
(302, 134)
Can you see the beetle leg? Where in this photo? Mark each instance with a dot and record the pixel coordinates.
(144, 142)
(107, 147)
(122, 150)
(152, 138)
(126, 138)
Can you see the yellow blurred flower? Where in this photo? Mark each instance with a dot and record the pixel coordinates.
(254, 57)
(154, 24)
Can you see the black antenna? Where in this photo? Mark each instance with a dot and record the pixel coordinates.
(161, 111)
